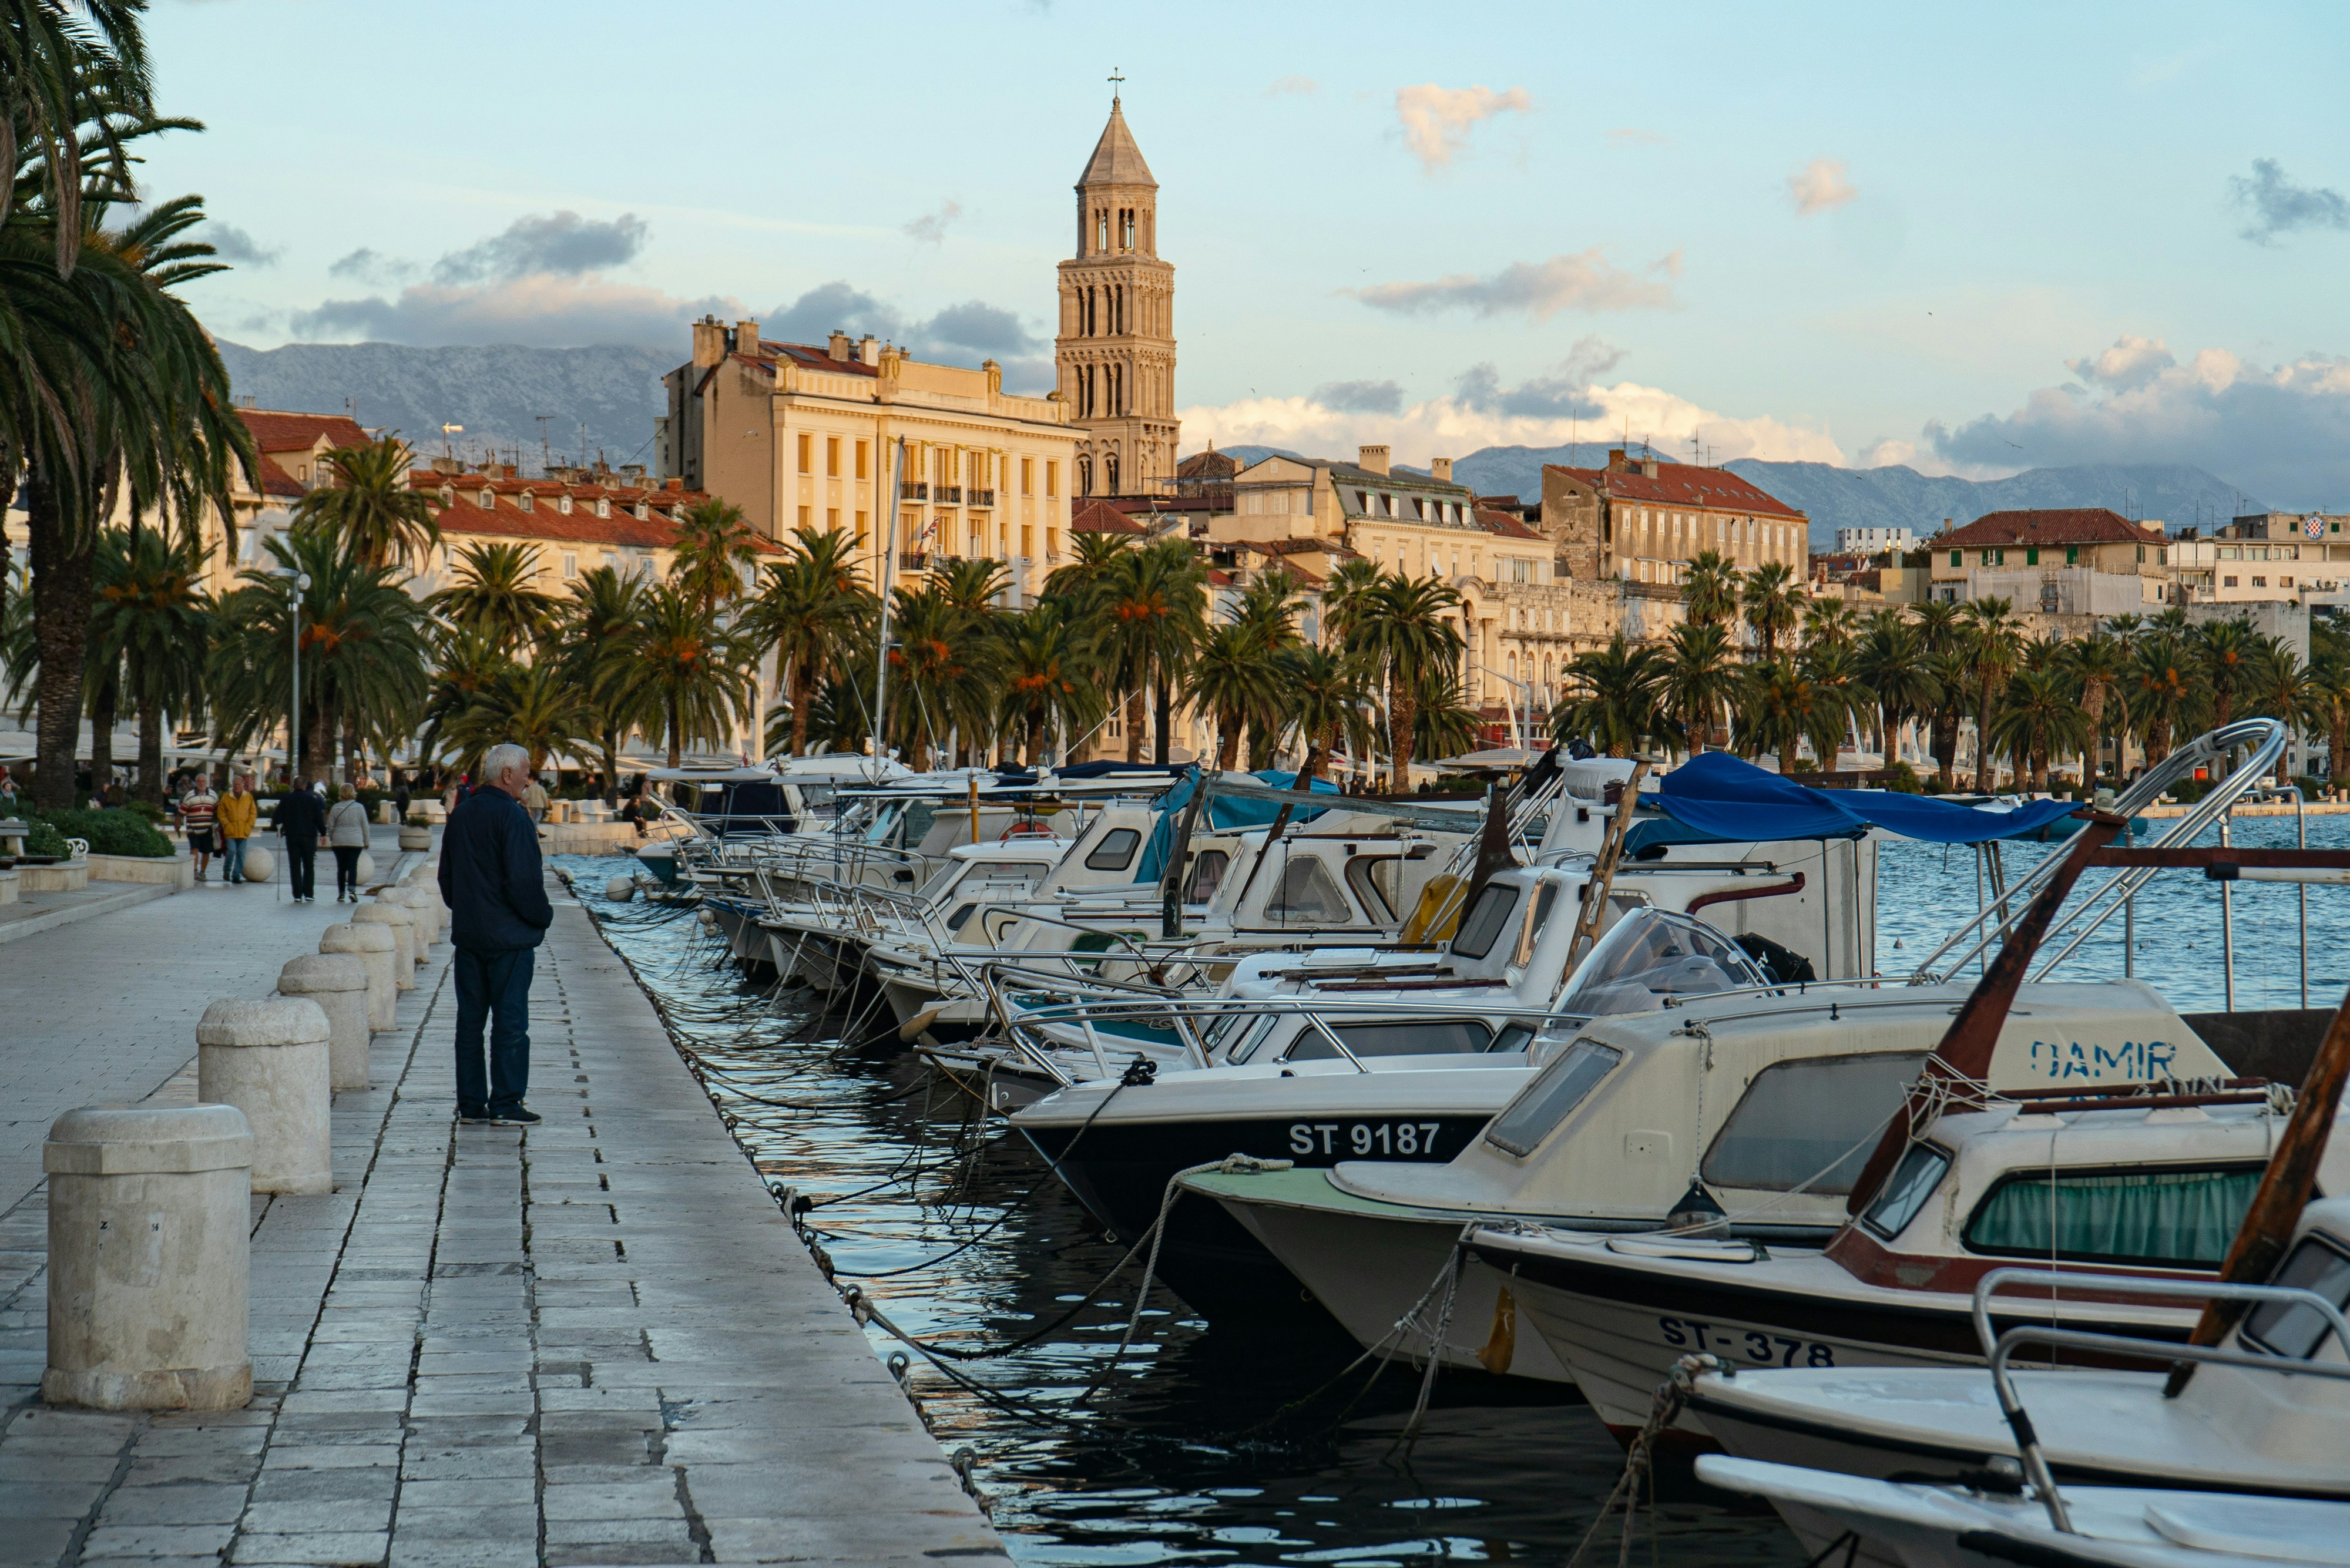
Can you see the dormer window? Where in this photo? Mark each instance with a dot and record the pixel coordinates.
(525, 500)
(603, 507)
(641, 510)
(563, 504)
(488, 499)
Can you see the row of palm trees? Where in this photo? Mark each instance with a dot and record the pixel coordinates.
(1816, 673)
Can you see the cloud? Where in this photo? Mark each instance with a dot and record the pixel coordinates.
(931, 228)
(1302, 87)
(1361, 396)
(1819, 186)
(1586, 280)
(958, 334)
(562, 244)
(1544, 411)
(541, 311)
(1437, 120)
(1631, 136)
(2285, 430)
(372, 266)
(234, 245)
(2278, 206)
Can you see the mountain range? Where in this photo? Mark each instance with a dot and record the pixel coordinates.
(604, 400)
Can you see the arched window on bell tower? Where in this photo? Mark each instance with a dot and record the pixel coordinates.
(1110, 468)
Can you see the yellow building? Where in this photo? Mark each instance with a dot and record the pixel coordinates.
(804, 436)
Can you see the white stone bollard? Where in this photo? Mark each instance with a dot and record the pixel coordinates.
(260, 864)
(269, 1059)
(393, 918)
(149, 1268)
(338, 983)
(377, 948)
(426, 905)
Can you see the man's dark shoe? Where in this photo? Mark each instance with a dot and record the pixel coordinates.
(520, 1116)
(474, 1118)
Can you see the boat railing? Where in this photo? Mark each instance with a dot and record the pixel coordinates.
(2000, 1351)
(2266, 736)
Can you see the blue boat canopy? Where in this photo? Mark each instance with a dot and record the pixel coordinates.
(1225, 811)
(1726, 800)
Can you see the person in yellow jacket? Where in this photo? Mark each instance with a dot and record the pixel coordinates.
(238, 813)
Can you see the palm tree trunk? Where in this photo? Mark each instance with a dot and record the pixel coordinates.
(1137, 720)
(1986, 770)
(351, 744)
(1945, 748)
(318, 742)
(1164, 719)
(1403, 708)
(61, 579)
(151, 751)
(803, 692)
(104, 704)
(1228, 747)
(611, 767)
(1035, 749)
(676, 731)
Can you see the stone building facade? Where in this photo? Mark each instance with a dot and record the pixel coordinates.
(1114, 356)
(1640, 520)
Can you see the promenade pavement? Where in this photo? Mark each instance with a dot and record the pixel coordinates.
(593, 1342)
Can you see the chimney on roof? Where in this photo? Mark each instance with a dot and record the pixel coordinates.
(746, 337)
(1439, 468)
(1649, 467)
(838, 346)
(868, 349)
(1617, 463)
(709, 341)
(1373, 459)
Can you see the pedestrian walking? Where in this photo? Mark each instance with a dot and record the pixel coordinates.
(238, 814)
(347, 835)
(301, 819)
(399, 794)
(199, 817)
(492, 880)
(533, 801)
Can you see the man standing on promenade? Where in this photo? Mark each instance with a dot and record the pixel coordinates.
(492, 881)
(300, 819)
(199, 811)
(238, 812)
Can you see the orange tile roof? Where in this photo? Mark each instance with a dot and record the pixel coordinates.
(1101, 517)
(276, 480)
(274, 430)
(1504, 524)
(1681, 485)
(2058, 525)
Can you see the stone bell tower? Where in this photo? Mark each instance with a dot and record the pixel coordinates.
(1115, 356)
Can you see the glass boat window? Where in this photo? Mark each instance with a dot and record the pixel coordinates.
(1912, 1182)
(1208, 869)
(1799, 1117)
(2316, 1263)
(1306, 895)
(1246, 1047)
(1374, 879)
(1542, 1104)
(1485, 920)
(1115, 850)
(2172, 1219)
(1421, 1037)
(1649, 955)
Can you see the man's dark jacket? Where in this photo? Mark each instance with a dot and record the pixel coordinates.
(490, 876)
(301, 817)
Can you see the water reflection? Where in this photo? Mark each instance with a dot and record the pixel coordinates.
(1248, 1447)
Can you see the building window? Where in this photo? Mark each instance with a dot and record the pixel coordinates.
(1052, 480)
(1027, 479)
(806, 446)
(1027, 542)
(804, 517)
(2072, 555)
(860, 516)
(1954, 557)
(2284, 582)
(570, 564)
(2259, 582)
(1052, 539)
(2162, 557)
(832, 519)
(2141, 555)
(2032, 557)
(832, 457)
(2227, 581)
(860, 461)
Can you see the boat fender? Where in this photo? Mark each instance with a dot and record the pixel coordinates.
(620, 889)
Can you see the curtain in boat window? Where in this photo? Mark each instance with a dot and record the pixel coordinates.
(2177, 1217)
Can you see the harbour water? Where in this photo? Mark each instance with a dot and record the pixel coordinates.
(1221, 1446)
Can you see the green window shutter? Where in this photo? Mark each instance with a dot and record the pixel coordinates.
(1954, 557)
(2072, 555)
(2032, 556)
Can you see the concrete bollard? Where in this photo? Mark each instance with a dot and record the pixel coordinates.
(377, 948)
(149, 1268)
(339, 985)
(260, 864)
(393, 918)
(269, 1059)
(423, 909)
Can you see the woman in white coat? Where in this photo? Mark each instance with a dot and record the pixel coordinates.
(347, 835)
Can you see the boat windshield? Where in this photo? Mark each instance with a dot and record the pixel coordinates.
(1651, 955)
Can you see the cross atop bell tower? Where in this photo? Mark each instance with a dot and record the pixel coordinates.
(1115, 353)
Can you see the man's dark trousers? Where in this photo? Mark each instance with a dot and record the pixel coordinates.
(492, 988)
(302, 864)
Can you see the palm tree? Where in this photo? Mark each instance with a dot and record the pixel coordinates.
(595, 634)
(1770, 597)
(1828, 622)
(1890, 663)
(1442, 722)
(1347, 596)
(715, 552)
(2097, 664)
(1045, 680)
(1952, 675)
(1701, 679)
(685, 664)
(1269, 607)
(2329, 679)
(495, 594)
(1149, 613)
(1710, 591)
(2232, 653)
(2282, 686)
(1404, 633)
(153, 618)
(938, 665)
(363, 647)
(2164, 691)
(1326, 697)
(1994, 642)
(1613, 697)
(2040, 719)
(370, 506)
(1784, 705)
(1090, 559)
(466, 663)
(73, 88)
(1235, 673)
(814, 602)
(537, 707)
(973, 582)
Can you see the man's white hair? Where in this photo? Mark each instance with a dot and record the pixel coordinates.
(501, 758)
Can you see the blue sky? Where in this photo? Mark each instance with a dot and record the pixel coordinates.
(1973, 240)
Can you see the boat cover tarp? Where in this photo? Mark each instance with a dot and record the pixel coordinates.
(1226, 809)
(1735, 802)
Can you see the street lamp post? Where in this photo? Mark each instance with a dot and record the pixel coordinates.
(298, 584)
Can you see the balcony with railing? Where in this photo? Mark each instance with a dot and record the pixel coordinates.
(950, 495)
(913, 490)
(914, 560)
(979, 498)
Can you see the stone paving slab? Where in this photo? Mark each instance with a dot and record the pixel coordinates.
(593, 1342)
